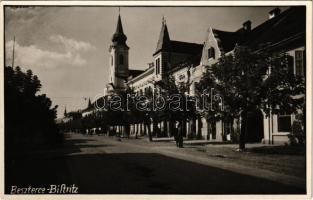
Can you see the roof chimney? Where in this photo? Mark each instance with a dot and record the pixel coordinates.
(247, 25)
(273, 13)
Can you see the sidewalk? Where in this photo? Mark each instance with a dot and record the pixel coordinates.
(287, 169)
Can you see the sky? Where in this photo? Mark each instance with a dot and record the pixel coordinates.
(67, 47)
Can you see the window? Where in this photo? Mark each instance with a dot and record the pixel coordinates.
(299, 58)
(149, 91)
(121, 60)
(284, 122)
(111, 60)
(290, 69)
(157, 64)
(211, 53)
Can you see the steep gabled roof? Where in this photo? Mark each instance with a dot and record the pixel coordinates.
(287, 25)
(227, 40)
(164, 39)
(167, 45)
(186, 47)
(191, 61)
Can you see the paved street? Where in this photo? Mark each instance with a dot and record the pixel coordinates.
(103, 165)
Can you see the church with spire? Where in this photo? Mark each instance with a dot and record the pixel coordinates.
(166, 57)
(119, 72)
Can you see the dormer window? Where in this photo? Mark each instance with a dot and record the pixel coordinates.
(121, 60)
(211, 53)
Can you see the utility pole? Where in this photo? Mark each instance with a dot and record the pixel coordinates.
(13, 52)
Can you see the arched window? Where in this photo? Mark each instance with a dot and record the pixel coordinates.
(211, 53)
(121, 60)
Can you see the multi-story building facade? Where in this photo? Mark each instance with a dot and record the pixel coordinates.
(282, 32)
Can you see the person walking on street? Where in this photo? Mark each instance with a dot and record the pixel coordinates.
(176, 133)
(180, 135)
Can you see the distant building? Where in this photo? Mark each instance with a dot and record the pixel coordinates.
(187, 62)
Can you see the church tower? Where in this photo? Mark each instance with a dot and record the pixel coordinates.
(162, 54)
(119, 70)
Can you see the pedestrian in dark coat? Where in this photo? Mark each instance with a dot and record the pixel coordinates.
(180, 135)
(176, 133)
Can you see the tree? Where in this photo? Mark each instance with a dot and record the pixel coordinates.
(186, 107)
(29, 117)
(119, 110)
(65, 112)
(132, 114)
(248, 80)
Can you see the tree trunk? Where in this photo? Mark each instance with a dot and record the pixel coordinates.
(136, 132)
(243, 132)
(209, 129)
(184, 128)
(199, 133)
(223, 130)
(171, 128)
(165, 128)
(149, 132)
(155, 127)
(127, 130)
(180, 134)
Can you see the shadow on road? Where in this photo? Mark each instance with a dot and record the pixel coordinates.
(138, 173)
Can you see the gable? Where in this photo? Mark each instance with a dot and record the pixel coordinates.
(210, 42)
